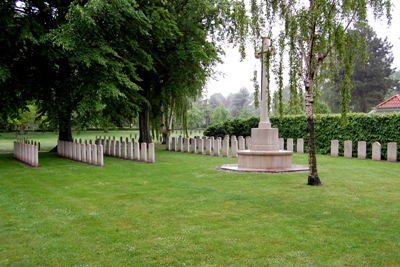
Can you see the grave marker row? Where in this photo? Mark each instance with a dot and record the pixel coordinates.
(126, 149)
(86, 153)
(362, 150)
(217, 146)
(27, 153)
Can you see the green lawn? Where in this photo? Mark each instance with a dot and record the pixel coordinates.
(48, 140)
(182, 212)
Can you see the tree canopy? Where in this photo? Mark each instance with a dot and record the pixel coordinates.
(371, 77)
(95, 62)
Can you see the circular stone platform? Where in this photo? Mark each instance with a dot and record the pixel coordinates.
(293, 168)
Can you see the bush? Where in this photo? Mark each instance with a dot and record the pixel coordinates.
(382, 128)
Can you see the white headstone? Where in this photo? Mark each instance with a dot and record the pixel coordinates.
(83, 153)
(173, 144)
(117, 149)
(281, 144)
(348, 149)
(130, 150)
(208, 147)
(225, 148)
(74, 154)
(376, 151)
(217, 144)
(152, 155)
(89, 154)
(143, 154)
(36, 156)
(242, 145)
(300, 146)
(123, 150)
(100, 155)
(79, 152)
(335, 148)
(361, 150)
(193, 143)
(94, 154)
(180, 145)
(392, 152)
(186, 145)
(248, 142)
(289, 144)
(234, 148)
(201, 146)
(112, 147)
(136, 151)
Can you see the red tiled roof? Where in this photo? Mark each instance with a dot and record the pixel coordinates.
(393, 102)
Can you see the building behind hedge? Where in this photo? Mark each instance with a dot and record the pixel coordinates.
(391, 104)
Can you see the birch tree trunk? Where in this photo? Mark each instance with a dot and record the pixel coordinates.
(171, 117)
(313, 178)
(163, 126)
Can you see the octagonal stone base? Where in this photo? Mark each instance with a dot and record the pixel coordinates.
(264, 161)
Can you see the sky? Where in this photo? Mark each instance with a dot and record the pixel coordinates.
(237, 74)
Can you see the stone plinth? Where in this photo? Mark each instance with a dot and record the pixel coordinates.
(264, 155)
(264, 160)
(264, 139)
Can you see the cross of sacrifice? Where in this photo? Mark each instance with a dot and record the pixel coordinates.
(264, 118)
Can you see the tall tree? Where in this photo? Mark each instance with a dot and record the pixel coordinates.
(371, 77)
(314, 32)
(216, 100)
(195, 116)
(240, 101)
(220, 114)
(184, 52)
(29, 63)
(395, 89)
(106, 42)
(36, 69)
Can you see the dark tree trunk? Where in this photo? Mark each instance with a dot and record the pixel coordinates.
(313, 178)
(64, 127)
(144, 125)
(364, 103)
(65, 135)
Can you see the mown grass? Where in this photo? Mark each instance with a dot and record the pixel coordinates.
(48, 140)
(182, 211)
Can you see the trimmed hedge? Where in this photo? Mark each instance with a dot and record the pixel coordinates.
(382, 128)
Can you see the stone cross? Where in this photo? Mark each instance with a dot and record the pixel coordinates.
(262, 55)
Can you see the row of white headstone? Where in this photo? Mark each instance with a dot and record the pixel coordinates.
(362, 150)
(82, 152)
(218, 146)
(126, 149)
(27, 153)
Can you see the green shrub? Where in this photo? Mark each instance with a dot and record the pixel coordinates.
(382, 128)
